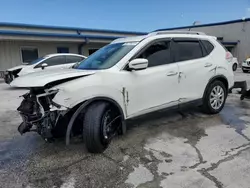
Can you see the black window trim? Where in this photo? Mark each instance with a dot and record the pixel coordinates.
(27, 47)
(207, 54)
(184, 39)
(203, 48)
(58, 48)
(95, 49)
(145, 47)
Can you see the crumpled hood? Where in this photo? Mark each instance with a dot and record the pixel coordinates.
(41, 78)
(17, 67)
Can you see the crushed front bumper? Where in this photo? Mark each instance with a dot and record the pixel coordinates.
(37, 115)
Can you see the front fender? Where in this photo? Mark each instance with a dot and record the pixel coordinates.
(69, 99)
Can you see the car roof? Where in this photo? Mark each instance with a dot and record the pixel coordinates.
(248, 59)
(130, 39)
(163, 35)
(60, 54)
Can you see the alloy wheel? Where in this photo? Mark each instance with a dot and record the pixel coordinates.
(217, 97)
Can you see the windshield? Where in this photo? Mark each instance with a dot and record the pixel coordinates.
(106, 57)
(36, 61)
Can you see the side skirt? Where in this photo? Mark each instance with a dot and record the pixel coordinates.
(174, 108)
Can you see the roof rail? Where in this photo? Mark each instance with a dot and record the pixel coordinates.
(177, 32)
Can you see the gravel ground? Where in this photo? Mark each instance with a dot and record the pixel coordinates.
(177, 150)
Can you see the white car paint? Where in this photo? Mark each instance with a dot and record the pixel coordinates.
(143, 91)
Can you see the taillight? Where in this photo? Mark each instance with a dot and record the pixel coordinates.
(229, 56)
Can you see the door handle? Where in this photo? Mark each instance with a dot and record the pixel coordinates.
(208, 65)
(172, 73)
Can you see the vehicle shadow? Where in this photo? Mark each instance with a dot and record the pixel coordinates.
(167, 116)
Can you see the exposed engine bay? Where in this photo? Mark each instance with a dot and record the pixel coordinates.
(36, 114)
(42, 115)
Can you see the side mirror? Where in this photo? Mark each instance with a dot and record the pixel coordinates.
(138, 64)
(44, 65)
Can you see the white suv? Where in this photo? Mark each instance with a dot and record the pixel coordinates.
(128, 78)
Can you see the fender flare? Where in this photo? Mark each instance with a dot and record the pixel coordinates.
(217, 77)
(84, 105)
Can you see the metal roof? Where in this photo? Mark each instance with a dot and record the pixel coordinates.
(207, 25)
(75, 36)
(34, 26)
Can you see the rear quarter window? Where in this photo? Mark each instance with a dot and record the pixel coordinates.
(208, 46)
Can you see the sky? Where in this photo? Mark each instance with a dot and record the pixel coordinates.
(128, 15)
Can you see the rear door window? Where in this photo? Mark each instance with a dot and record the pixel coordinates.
(187, 50)
(208, 46)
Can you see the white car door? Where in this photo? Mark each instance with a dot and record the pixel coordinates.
(153, 88)
(195, 67)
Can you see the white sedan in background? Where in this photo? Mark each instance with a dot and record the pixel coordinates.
(48, 62)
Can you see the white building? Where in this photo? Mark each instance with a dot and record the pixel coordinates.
(235, 35)
(22, 43)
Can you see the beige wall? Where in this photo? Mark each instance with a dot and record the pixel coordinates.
(10, 54)
(231, 33)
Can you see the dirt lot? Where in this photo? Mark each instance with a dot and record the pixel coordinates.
(185, 149)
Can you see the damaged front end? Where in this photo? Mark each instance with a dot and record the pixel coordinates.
(39, 113)
(9, 76)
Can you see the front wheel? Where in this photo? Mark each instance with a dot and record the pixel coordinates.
(215, 97)
(245, 71)
(101, 124)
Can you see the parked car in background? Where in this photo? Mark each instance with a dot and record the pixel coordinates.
(126, 79)
(235, 64)
(51, 61)
(246, 65)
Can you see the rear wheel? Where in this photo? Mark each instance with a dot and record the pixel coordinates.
(215, 97)
(101, 124)
(234, 66)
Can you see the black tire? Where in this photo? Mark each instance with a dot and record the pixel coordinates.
(207, 107)
(245, 71)
(234, 66)
(93, 127)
